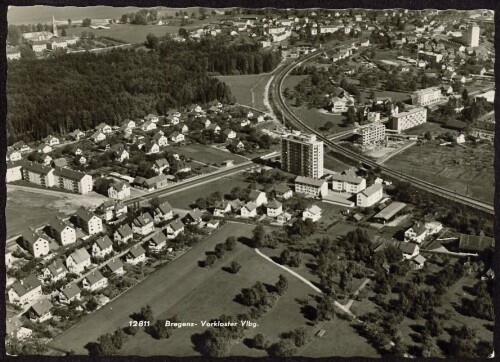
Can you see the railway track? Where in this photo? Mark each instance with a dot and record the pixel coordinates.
(281, 106)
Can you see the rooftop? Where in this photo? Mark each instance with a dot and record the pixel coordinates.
(309, 181)
(391, 210)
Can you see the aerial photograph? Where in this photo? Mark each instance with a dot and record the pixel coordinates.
(249, 182)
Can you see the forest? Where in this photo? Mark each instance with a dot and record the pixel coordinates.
(63, 93)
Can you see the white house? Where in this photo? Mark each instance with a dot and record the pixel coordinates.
(274, 208)
(369, 196)
(174, 228)
(98, 136)
(148, 126)
(123, 234)
(258, 197)
(416, 234)
(249, 210)
(25, 291)
(348, 183)
(310, 186)
(157, 243)
(151, 148)
(104, 128)
(163, 212)
(78, 260)
(88, 221)
(222, 208)
(136, 255)
(177, 137)
(102, 247)
(160, 164)
(36, 242)
(70, 293)
(55, 271)
(313, 213)
(63, 231)
(94, 281)
(160, 139)
(51, 140)
(143, 224)
(119, 190)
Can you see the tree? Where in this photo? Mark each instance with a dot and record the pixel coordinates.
(183, 33)
(124, 19)
(152, 41)
(92, 304)
(210, 260)
(70, 21)
(201, 203)
(13, 35)
(230, 243)
(63, 32)
(283, 348)
(155, 202)
(465, 94)
(219, 250)
(147, 313)
(86, 22)
(281, 285)
(433, 326)
(234, 267)
(346, 281)
(298, 336)
(258, 234)
(325, 309)
(160, 331)
(428, 135)
(259, 341)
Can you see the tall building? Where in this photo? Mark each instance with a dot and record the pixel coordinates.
(369, 135)
(472, 35)
(54, 26)
(302, 155)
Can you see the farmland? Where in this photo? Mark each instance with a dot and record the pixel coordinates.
(463, 169)
(248, 89)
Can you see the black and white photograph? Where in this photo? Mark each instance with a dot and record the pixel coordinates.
(249, 181)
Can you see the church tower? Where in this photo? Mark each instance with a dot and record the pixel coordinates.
(54, 26)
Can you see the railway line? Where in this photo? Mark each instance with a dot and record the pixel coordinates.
(282, 107)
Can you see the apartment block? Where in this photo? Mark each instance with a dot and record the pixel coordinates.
(409, 119)
(302, 155)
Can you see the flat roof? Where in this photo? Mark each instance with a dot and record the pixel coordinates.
(390, 210)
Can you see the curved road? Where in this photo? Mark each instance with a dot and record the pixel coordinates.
(280, 104)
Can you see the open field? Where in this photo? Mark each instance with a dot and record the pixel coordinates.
(207, 154)
(224, 185)
(248, 89)
(33, 207)
(464, 169)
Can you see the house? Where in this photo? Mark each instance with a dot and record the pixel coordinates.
(369, 196)
(9, 259)
(259, 197)
(173, 120)
(119, 190)
(104, 128)
(160, 164)
(98, 136)
(418, 262)
(81, 160)
(221, 208)
(69, 293)
(249, 210)
(14, 171)
(148, 126)
(94, 281)
(310, 186)
(55, 271)
(433, 227)
(313, 212)
(143, 224)
(115, 266)
(409, 250)
(151, 118)
(25, 291)
(13, 155)
(206, 122)
(416, 234)
(274, 208)
(128, 124)
(21, 147)
(160, 139)
(123, 234)
(151, 148)
(214, 128)
(460, 139)
(120, 152)
(111, 209)
(36, 242)
(177, 137)
(284, 217)
(47, 160)
(157, 243)
(174, 228)
(102, 247)
(41, 310)
(237, 145)
(245, 122)
(163, 212)
(152, 183)
(78, 260)
(51, 140)
(236, 205)
(229, 134)
(88, 221)
(72, 180)
(77, 134)
(213, 224)
(192, 217)
(184, 129)
(136, 255)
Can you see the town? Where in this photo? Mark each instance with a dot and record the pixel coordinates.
(328, 172)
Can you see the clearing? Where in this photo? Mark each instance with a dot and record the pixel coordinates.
(248, 89)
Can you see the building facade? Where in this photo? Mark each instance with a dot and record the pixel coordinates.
(371, 134)
(409, 119)
(427, 96)
(302, 155)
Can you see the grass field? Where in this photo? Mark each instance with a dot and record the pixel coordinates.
(207, 154)
(248, 89)
(184, 199)
(464, 169)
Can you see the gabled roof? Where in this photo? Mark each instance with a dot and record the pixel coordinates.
(37, 168)
(281, 189)
(80, 255)
(176, 225)
(408, 248)
(26, 285)
(254, 194)
(124, 230)
(84, 214)
(57, 267)
(119, 185)
(236, 204)
(347, 178)
(94, 277)
(137, 251)
(31, 236)
(274, 204)
(161, 162)
(195, 214)
(165, 207)
(143, 219)
(42, 306)
(158, 239)
(250, 206)
(60, 162)
(419, 228)
(104, 242)
(115, 264)
(71, 290)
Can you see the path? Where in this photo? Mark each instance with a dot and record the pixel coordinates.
(348, 305)
(337, 304)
